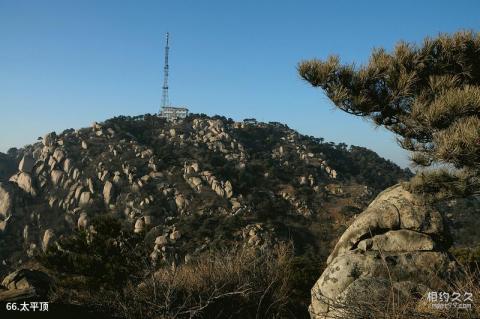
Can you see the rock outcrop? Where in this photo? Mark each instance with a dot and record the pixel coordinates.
(6, 200)
(398, 241)
(210, 174)
(25, 284)
(25, 182)
(26, 164)
(48, 238)
(6, 204)
(108, 192)
(49, 139)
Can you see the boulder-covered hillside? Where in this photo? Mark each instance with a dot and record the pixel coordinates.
(186, 186)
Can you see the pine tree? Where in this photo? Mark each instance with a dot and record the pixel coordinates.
(428, 95)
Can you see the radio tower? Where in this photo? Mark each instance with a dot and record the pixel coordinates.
(165, 101)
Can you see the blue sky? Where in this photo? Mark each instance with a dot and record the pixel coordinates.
(65, 64)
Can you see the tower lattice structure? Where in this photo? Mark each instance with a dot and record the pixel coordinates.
(165, 101)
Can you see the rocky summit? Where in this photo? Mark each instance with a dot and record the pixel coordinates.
(177, 182)
(183, 189)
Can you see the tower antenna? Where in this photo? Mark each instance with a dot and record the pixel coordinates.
(165, 102)
(166, 111)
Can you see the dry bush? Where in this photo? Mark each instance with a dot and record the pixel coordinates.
(239, 283)
(468, 283)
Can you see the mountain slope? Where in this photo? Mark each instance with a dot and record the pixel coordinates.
(203, 182)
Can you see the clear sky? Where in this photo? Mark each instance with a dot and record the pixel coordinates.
(65, 64)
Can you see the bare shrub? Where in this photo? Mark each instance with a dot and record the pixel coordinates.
(238, 283)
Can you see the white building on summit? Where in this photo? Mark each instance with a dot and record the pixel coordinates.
(173, 113)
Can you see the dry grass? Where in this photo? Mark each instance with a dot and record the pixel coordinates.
(241, 283)
(249, 283)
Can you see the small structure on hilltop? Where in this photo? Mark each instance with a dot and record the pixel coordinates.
(167, 111)
(173, 113)
(250, 121)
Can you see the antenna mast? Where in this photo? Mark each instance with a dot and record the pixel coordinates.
(165, 101)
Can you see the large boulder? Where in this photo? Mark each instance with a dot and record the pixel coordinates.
(26, 279)
(161, 240)
(25, 182)
(26, 164)
(398, 241)
(82, 222)
(181, 202)
(175, 235)
(108, 191)
(48, 238)
(217, 188)
(56, 176)
(58, 155)
(67, 165)
(139, 225)
(50, 139)
(6, 200)
(6, 204)
(228, 189)
(85, 199)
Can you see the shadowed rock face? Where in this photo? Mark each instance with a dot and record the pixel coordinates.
(397, 241)
(7, 167)
(11, 205)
